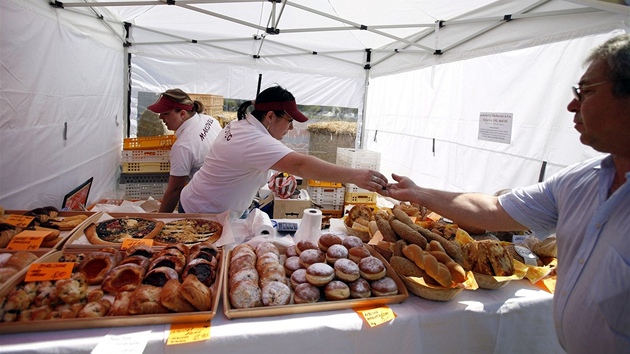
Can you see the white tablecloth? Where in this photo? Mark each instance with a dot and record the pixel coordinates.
(514, 319)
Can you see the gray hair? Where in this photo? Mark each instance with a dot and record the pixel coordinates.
(616, 53)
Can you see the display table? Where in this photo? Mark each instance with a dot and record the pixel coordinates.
(514, 319)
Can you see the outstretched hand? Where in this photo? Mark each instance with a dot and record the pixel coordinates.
(402, 190)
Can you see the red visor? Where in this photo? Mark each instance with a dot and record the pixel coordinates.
(165, 104)
(288, 106)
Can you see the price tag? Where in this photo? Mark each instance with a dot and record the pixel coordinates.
(434, 216)
(49, 271)
(19, 220)
(188, 332)
(27, 240)
(377, 316)
(128, 242)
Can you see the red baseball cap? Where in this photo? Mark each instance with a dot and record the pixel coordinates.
(165, 104)
(288, 106)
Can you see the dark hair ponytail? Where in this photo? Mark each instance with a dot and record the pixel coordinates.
(272, 94)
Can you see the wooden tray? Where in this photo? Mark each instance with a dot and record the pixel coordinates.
(78, 240)
(11, 280)
(232, 313)
(108, 321)
(66, 234)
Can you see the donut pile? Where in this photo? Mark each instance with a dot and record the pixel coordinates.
(331, 269)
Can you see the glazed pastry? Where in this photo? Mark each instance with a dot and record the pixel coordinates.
(139, 250)
(145, 300)
(170, 261)
(95, 309)
(159, 276)
(173, 299)
(204, 270)
(125, 277)
(96, 265)
(120, 307)
(197, 293)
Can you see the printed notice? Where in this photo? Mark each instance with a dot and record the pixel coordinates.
(495, 127)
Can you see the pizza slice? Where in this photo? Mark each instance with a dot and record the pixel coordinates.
(114, 231)
(188, 231)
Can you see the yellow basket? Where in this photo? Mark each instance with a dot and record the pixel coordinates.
(314, 183)
(145, 167)
(149, 142)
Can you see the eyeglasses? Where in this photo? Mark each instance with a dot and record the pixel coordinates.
(577, 89)
(287, 117)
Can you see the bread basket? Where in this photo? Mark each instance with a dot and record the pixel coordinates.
(419, 287)
(490, 282)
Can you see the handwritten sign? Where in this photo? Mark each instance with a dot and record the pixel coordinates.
(19, 220)
(130, 343)
(377, 316)
(27, 240)
(188, 332)
(49, 271)
(128, 242)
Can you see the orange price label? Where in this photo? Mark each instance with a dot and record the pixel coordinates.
(49, 271)
(434, 216)
(377, 316)
(188, 332)
(27, 240)
(19, 220)
(128, 242)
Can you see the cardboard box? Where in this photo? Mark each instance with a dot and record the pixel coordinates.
(291, 208)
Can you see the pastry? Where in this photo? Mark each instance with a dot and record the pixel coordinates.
(326, 240)
(319, 274)
(306, 293)
(275, 293)
(336, 290)
(245, 294)
(172, 298)
(96, 265)
(159, 276)
(204, 270)
(384, 286)
(145, 300)
(336, 252)
(197, 293)
(120, 307)
(346, 270)
(360, 289)
(125, 277)
(371, 268)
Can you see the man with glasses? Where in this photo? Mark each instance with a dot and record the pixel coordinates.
(587, 205)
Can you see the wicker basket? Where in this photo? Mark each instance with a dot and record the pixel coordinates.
(491, 282)
(420, 288)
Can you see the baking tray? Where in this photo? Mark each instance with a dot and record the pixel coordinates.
(107, 321)
(79, 240)
(322, 305)
(66, 234)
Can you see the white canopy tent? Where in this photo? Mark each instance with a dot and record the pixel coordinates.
(71, 73)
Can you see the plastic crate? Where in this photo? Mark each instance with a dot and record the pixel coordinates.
(353, 188)
(155, 155)
(328, 214)
(314, 183)
(143, 178)
(149, 142)
(361, 198)
(145, 167)
(359, 158)
(139, 191)
(329, 196)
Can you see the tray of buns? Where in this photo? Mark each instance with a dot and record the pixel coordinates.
(268, 280)
(111, 287)
(60, 225)
(111, 229)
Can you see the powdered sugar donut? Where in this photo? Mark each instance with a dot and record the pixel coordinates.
(319, 274)
(371, 268)
(346, 270)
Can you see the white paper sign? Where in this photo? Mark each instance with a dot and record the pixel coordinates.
(132, 343)
(495, 127)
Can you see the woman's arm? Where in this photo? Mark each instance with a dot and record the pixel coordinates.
(171, 196)
(311, 167)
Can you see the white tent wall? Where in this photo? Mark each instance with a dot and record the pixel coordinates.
(157, 74)
(407, 111)
(61, 105)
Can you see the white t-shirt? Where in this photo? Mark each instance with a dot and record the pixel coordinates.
(194, 138)
(234, 170)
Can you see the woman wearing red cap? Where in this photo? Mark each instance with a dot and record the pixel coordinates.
(195, 133)
(243, 156)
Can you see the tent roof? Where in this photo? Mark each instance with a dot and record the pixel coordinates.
(345, 36)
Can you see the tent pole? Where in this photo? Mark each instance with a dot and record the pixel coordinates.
(362, 138)
(127, 80)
